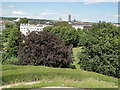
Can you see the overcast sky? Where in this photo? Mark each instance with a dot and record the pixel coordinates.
(82, 11)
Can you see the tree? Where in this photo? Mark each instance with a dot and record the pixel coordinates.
(13, 42)
(10, 41)
(6, 31)
(62, 24)
(101, 50)
(23, 20)
(44, 48)
(65, 32)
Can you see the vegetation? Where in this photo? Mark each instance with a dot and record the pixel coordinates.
(10, 42)
(62, 24)
(44, 48)
(100, 52)
(65, 32)
(49, 76)
(76, 60)
(23, 20)
(87, 83)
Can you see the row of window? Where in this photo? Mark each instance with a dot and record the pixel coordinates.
(32, 28)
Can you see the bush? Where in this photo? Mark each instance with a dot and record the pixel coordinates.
(101, 50)
(44, 48)
(8, 59)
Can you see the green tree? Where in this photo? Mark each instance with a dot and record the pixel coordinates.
(10, 41)
(65, 32)
(13, 42)
(62, 24)
(23, 20)
(101, 50)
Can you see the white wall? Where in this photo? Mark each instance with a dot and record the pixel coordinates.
(25, 29)
(81, 26)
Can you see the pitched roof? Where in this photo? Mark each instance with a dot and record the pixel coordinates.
(83, 23)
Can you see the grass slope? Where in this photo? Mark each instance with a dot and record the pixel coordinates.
(49, 76)
(75, 51)
(55, 77)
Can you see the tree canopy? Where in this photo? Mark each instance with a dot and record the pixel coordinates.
(101, 50)
(44, 48)
(65, 32)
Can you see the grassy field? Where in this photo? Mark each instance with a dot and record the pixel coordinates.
(48, 76)
(75, 51)
(55, 77)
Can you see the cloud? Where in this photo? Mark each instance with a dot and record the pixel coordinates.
(98, 1)
(116, 15)
(19, 12)
(48, 12)
(11, 6)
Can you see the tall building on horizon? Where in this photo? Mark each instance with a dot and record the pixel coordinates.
(60, 19)
(69, 18)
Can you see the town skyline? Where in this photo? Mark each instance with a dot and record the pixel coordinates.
(104, 11)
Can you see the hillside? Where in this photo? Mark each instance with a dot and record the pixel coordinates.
(49, 76)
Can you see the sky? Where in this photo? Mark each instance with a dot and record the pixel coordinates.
(81, 11)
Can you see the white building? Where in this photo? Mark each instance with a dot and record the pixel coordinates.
(117, 24)
(2, 26)
(27, 28)
(17, 20)
(82, 25)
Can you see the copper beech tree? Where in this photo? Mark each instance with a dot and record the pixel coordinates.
(44, 48)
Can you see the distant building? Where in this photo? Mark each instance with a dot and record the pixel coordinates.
(2, 26)
(60, 19)
(27, 28)
(82, 25)
(117, 24)
(69, 18)
(17, 20)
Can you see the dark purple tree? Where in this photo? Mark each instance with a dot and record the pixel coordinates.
(44, 48)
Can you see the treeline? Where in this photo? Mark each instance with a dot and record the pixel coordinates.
(101, 50)
(53, 47)
(38, 48)
(100, 46)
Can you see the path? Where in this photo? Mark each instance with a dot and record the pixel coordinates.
(27, 83)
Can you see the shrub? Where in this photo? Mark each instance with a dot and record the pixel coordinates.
(101, 50)
(44, 48)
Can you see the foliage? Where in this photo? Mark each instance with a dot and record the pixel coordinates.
(44, 48)
(65, 32)
(13, 74)
(9, 60)
(23, 20)
(62, 24)
(13, 42)
(6, 31)
(75, 51)
(10, 42)
(101, 50)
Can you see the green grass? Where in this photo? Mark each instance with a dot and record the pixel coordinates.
(75, 51)
(69, 77)
(87, 83)
(49, 76)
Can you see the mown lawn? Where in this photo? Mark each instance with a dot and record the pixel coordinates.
(49, 76)
(75, 51)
